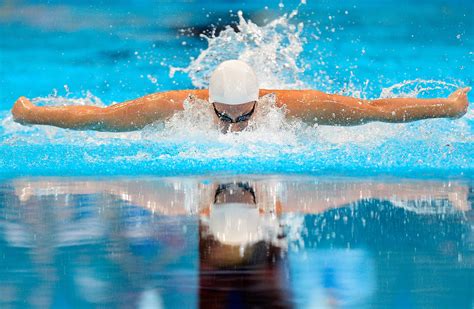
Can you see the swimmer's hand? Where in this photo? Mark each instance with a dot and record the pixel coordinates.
(459, 102)
(23, 110)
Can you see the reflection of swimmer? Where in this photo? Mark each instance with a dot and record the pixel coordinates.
(240, 264)
(115, 252)
(172, 197)
(234, 92)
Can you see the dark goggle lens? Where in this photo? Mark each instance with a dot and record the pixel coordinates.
(227, 119)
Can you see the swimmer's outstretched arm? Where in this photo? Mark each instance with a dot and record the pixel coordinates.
(126, 116)
(331, 109)
(309, 105)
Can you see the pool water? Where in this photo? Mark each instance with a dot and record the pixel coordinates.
(283, 214)
(304, 242)
(87, 53)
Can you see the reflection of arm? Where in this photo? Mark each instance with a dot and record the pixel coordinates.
(156, 196)
(457, 194)
(306, 197)
(317, 198)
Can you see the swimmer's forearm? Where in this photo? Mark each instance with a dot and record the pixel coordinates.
(410, 109)
(73, 117)
(69, 117)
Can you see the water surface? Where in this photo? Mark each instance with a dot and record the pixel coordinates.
(84, 52)
(234, 241)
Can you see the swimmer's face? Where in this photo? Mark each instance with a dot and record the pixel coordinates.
(233, 118)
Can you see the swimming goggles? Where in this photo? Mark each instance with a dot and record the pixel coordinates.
(232, 186)
(225, 118)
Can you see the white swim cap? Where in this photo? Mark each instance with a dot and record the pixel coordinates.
(233, 82)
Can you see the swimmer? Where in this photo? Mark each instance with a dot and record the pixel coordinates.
(233, 95)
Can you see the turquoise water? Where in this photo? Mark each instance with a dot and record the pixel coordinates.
(378, 215)
(313, 243)
(74, 53)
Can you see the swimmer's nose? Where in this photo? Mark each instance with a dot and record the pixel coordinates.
(234, 128)
(237, 127)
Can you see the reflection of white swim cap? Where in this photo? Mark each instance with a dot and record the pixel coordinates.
(238, 224)
(233, 82)
(235, 224)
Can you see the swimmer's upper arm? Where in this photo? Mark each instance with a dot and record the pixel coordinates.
(138, 113)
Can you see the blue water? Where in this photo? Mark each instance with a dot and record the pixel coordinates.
(78, 52)
(378, 215)
(148, 243)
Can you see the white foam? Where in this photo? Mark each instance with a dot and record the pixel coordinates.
(272, 50)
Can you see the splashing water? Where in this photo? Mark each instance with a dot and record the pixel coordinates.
(418, 85)
(190, 142)
(272, 50)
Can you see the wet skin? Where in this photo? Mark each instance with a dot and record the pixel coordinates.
(233, 112)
